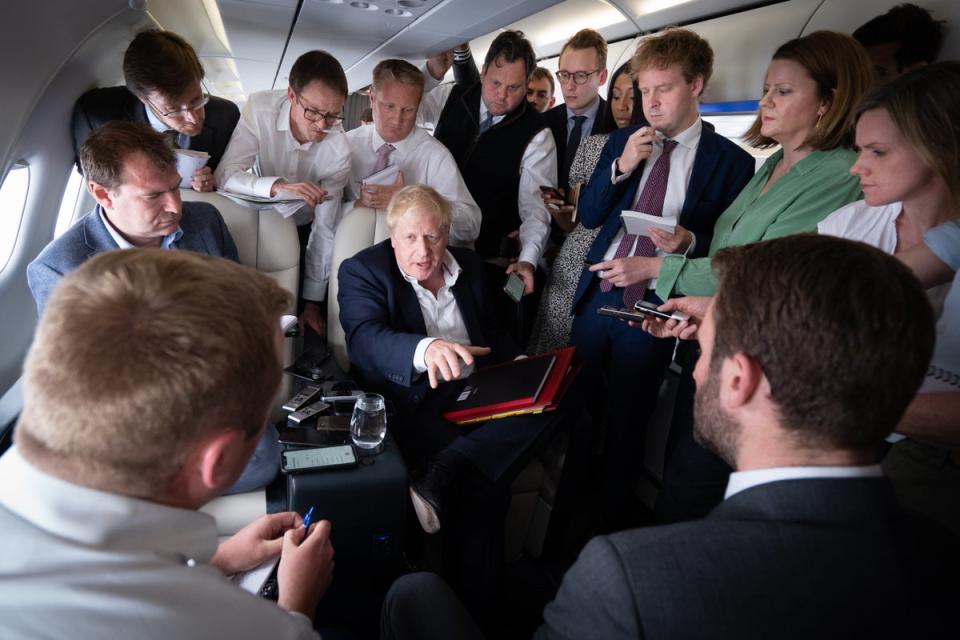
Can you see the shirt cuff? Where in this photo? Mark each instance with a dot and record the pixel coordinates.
(529, 254)
(313, 291)
(692, 246)
(616, 178)
(263, 186)
(670, 267)
(419, 355)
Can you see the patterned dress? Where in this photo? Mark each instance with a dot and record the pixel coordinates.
(551, 329)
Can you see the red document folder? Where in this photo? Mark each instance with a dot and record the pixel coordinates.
(557, 380)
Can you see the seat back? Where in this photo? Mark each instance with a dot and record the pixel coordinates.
(269, 243)
(359, 229)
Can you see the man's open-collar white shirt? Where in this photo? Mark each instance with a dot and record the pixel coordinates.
(77, 562)
(423, 160)
(441, 314)
(537, 167)
(263, 150)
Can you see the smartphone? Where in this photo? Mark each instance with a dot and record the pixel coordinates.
(310, 437)
(514, 287)
(650, 309)
(551, 191)
(334, 422)
(621, 314)
(298, 460)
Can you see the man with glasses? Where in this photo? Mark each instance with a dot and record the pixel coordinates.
(290, 143)
(164, 88)
(582, 71)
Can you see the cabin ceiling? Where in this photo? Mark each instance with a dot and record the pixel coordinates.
(249, 45)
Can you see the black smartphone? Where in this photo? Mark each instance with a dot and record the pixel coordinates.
(650, 309)
(621, 314)
(310, 437)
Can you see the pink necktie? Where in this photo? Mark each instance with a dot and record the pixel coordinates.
(383, 157)
(650, 202)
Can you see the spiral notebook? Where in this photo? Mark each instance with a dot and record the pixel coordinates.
(940, 379)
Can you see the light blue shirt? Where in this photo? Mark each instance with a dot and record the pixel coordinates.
(944, 242)
(122, 242)
(183, 140)
(591, 116)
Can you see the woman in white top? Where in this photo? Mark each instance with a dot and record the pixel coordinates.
(908, 135)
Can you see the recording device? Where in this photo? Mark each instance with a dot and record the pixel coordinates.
(620, 314)
(641, 311)
(306, 395)
(300, 416)
(298, 460)
(514, 287)
(340, 391)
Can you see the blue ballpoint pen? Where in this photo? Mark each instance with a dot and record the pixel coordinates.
(306, 521)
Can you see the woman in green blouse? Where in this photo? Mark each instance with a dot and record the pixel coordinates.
(810, 94)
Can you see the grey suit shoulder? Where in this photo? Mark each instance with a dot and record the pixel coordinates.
(204, 231)
(792, 559)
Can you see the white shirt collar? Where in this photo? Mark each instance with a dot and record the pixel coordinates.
(403, 146)
(483, 113)
(690, 137)
(98, 518)
(122, 242)
(743, 480)
(450, 266)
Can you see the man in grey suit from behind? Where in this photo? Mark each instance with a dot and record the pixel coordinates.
(131, 171)
(811, 351)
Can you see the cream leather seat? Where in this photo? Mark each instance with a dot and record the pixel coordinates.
(269, 243)
(532, 496)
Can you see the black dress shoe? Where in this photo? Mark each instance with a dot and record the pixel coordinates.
(431, 493)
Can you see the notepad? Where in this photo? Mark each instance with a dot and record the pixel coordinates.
(386, 176)
(639, 224)
(188, 163)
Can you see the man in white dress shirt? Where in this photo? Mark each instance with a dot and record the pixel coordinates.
(146, 389)
(291, 143)
(504, 150)
(395, 140)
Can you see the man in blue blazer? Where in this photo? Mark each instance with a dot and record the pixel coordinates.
(164, 88)
(416, 324)
(131, 172)
(810, 541)
(678, 167)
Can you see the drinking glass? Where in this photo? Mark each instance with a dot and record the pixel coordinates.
(368, 425)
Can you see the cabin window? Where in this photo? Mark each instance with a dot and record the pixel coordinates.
(13, 195)
(68, 205)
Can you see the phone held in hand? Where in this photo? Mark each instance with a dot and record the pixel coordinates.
(650, 309)
(514, 287)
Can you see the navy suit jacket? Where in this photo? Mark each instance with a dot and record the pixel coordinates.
(203, 231)
(557, 119)
(810, 558)
(99, 106)
(381, 317)
(720, 170)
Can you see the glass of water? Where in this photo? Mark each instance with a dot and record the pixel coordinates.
(368, 425)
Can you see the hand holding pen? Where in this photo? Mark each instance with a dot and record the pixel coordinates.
(306, 565)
